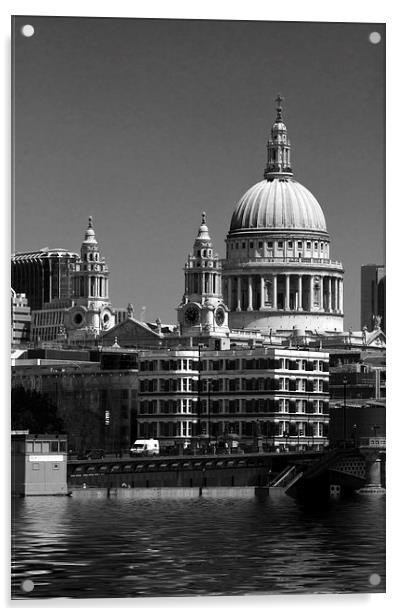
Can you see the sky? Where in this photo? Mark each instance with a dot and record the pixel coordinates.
(146, 123)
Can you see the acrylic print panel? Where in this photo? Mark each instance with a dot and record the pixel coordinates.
(196, 434)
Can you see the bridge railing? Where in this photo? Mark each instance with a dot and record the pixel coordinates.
(276, 482)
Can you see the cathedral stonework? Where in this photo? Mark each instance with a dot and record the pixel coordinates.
(92, 312)
(278, 274)
(202, 310)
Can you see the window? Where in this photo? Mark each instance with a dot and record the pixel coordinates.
(45, 447)
(280, 244)
(315, 245)
(37, 446)
(269, 244)
(251, 244)
(290, 244)
(301, 384)
(308, 245)
(300, 244)
(322, 246)
(260, 244)
(243, 245)
(54, 446)
(237, 246)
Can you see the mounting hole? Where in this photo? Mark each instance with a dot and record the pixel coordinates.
(374, 37)
(27, 586)
(28, 30)
(374, 579)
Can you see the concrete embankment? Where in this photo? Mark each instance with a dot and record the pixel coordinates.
(165, 493)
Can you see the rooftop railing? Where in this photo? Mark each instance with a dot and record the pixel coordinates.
(308, 260)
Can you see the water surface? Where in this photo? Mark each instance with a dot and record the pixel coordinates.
(82, 548)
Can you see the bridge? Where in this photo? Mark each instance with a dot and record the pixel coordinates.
(299, 474)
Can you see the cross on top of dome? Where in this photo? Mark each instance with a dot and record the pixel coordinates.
(203, 231)
(278, 101)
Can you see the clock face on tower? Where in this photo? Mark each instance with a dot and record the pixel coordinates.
(219, 316)
(192, 315)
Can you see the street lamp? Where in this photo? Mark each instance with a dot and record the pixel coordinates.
(199, 397)
(354, 430)
(286, 435)
(209, 409)
(345, 382)
(375, 428)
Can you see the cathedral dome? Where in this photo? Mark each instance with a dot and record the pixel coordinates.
(278, 203)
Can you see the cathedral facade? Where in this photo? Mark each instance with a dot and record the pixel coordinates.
(278, 274)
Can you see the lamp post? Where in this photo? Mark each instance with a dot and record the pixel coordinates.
(375, 428)
(354, 430)
(199, 397)
(345, 382)
(209, 410)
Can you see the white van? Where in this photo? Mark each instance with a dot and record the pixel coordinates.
(145, 447)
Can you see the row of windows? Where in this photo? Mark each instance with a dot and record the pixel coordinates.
(184, 385)
(204, 252)
(91, 256)
(255, 363)
(285, 429)
(263, 405)
(308, 245)
(53, 317)
(44, 446)
(92, 268)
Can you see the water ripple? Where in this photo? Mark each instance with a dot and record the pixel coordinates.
(103, 548)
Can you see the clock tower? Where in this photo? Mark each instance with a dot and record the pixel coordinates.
(202, 310)
(91, 313)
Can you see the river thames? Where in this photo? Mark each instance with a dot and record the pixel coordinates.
(98, 548)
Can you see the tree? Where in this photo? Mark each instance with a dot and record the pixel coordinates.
(33, 411)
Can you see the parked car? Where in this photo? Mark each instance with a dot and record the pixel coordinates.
(94, 454)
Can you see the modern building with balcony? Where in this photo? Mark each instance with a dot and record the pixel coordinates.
(43, 275)
(277, 395)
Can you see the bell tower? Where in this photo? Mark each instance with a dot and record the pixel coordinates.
(92, 311)
(202, 308)
(90, 280)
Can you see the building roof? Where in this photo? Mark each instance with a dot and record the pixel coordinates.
(278, 203)
(43, 253)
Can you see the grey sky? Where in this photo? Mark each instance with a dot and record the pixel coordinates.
(143, 124)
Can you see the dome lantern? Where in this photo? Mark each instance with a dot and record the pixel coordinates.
(278, 147)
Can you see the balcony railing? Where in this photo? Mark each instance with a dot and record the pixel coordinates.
(280, 260)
